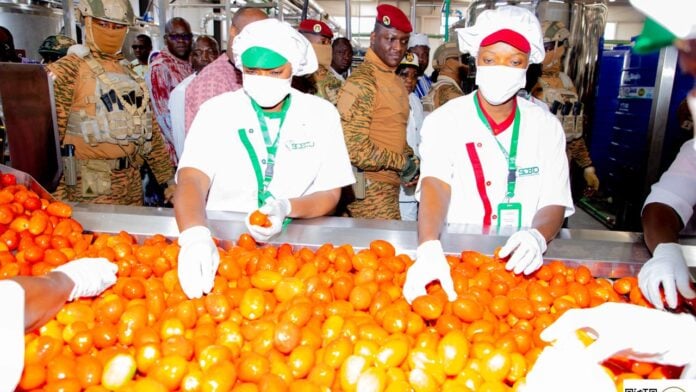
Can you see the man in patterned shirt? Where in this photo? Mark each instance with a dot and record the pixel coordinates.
(221, 75)
(374, 108)
(167, 70)
(420, 46)
(450, 72)
(102, 108)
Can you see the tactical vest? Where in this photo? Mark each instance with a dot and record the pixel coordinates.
(122, 113)
(564, 104)
(429, 99)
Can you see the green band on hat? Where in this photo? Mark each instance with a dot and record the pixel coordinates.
(653, 37)
(259, 57)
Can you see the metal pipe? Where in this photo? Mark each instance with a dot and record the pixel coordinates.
(305, 6)
(162, 16)
(281, 16)
(228, 17)
(232, 6)
(349, 29)
(208, 17)
(413, 15)
(69, 19)
(447, 12)
(666, 69)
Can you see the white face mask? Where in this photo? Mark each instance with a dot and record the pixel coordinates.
(265, 90)
(691, 103)
(498, 83)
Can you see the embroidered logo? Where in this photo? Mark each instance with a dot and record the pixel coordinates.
(386, 20)
(528, 171)
(295, 145)
(317, 28)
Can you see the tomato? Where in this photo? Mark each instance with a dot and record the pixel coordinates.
(428, 306)
(382, 249)
(253, 304)
(258, 218)
(8, 179)
(59, 209)
(169, 371)
(118, 371)
(286, 336)
(252, 367)
(392, 353)
(453, 351)
(89, 371)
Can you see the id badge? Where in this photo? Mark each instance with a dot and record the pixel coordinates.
(510, 215)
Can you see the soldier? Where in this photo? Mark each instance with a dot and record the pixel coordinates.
(557, 90)
(102, 108)
(450, 73)
(142, 47)
(325, 83)
(374, 108)
(55, 47)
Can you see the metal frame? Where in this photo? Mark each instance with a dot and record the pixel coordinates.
(69, 19)
(657, 125)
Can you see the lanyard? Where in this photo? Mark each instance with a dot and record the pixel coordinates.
(511, 156)
(264, 180)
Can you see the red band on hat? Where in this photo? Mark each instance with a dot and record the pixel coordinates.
(313, 26)
(510, 37)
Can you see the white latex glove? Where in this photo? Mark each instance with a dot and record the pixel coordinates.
(198, 261)
(632, 331)
(91, 276)
(526, 248)
(277, 211)
(430, 265)
(566, 366)
(667, 268)
(591, 177)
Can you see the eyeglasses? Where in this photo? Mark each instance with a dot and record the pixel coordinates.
(137, 47)
(180, 37)
(552, 45)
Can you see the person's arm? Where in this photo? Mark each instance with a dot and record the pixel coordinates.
(64, 74)
(661, 224)
(434, 204)
(548, 221)
(356, 102)
(316, 204)
(191, 193)
(40, 307)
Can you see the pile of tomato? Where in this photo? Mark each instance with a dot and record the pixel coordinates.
(287, 319)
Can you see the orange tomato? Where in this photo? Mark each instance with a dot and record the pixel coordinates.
(428, 306)
(258, 218)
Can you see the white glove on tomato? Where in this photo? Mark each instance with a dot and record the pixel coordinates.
(277, 211)
(91, 276)
(198, 261)
(632, 331)
(430, 265)
(526, 248)
(668, 269)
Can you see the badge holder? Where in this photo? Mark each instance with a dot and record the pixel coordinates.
(509, 215)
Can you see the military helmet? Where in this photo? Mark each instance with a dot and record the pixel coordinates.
(116, 11)
(56, 44)
(554, 31)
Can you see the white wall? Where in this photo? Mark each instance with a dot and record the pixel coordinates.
(628, 21)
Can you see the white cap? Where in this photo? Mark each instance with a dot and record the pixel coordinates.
(517, 19)
(418, 39)
(665, 12)
(279, 37)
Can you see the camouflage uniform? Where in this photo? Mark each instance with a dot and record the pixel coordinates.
(328, 85)
(57, 45)
(374, 108)
(109, 147)
(440, 92)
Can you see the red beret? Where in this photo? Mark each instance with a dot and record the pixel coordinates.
(510, 37)
(314, 26)
(393, 17)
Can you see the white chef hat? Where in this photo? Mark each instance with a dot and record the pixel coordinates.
(510, 24)
(418, 39)
(274, 36)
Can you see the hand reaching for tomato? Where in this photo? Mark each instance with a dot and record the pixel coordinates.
(198, 261)
(275, 211)
(430, 265)
(91, 276)
(634, 332)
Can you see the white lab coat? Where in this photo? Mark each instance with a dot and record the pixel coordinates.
(677, 187)
(177, 108)
(11, 334)
(311, 156)
(408, 204)
(459, 149)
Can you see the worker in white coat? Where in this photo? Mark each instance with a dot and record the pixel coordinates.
(491, 159)
(28, 302)
(281, 151)
(631, 331)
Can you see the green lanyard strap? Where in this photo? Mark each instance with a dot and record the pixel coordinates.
(511, 157)
(264, 180)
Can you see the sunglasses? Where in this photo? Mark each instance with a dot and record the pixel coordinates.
(137, 47)
(180, 37)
